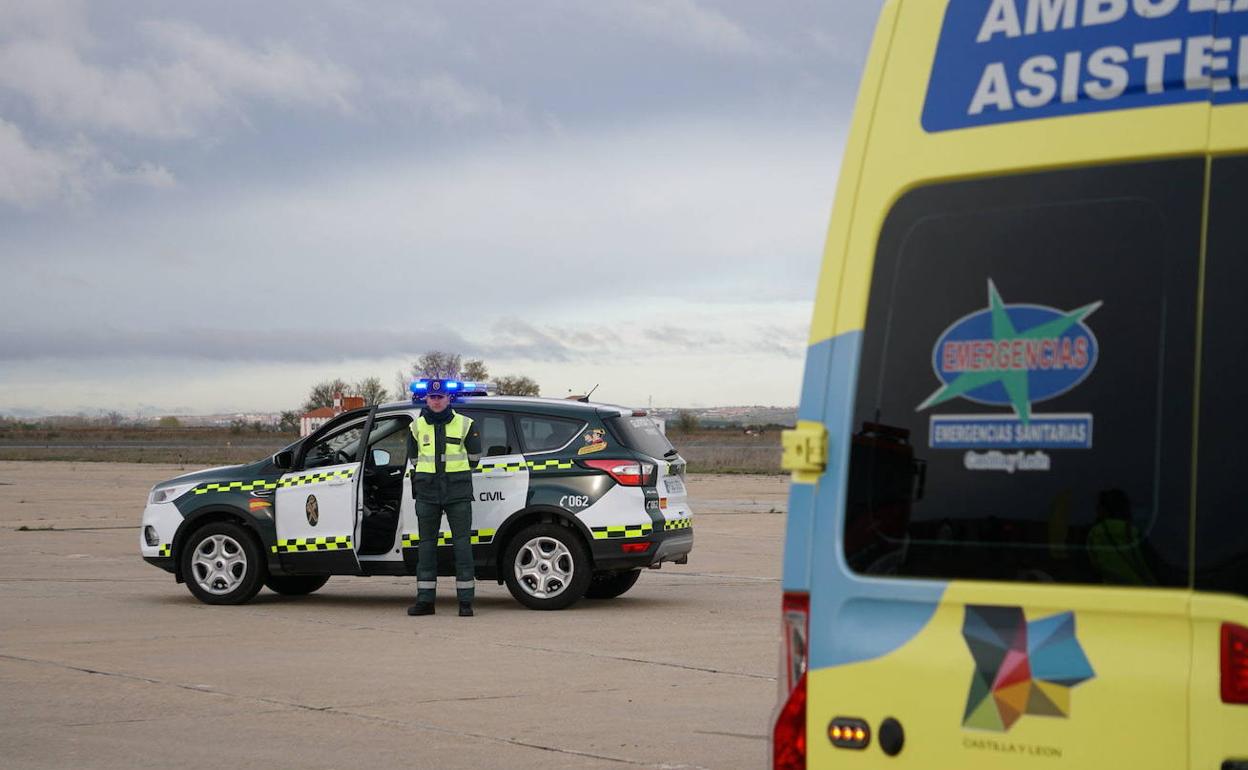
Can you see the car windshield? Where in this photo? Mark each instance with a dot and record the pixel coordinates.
(642, 434)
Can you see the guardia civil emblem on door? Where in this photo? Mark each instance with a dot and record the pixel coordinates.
(312, 510)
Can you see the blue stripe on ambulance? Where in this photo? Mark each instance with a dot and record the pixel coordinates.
(872, 617)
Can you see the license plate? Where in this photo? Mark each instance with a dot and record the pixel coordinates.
(674, 486)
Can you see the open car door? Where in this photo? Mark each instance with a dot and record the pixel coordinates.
(318, 504)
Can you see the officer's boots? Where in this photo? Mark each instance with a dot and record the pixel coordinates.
(465, 609)
(421, 608)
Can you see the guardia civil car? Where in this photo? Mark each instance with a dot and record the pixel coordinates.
(572, 499)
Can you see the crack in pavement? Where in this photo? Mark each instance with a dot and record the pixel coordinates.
(747, 736)
(28, 528)
(683, 666)
(535, 648)
(474, 698)
(343, 711)
(165, 718)
(78, 580)
(755, 578)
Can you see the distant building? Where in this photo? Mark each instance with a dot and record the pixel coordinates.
(314, 419)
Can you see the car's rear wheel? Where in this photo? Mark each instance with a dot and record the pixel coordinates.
(608, 585)
(222, 564)
(547, 567)
(295, 585)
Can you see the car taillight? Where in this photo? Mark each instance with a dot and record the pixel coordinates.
(788, 735)
(1234, 663)
(629, 473)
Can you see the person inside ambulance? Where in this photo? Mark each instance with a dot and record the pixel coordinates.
(1114, 542)
(445, 447)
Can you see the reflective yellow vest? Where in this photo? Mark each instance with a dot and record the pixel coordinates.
(456, 456)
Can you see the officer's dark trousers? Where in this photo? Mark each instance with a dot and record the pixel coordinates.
(428, 517)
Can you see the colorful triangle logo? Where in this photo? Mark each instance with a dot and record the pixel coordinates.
(1021, 668)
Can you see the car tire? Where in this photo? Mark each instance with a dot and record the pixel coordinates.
(295, 585)
(222, 564)
(608, 585)
(547, 567)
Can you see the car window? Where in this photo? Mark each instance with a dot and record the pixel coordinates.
(390, 435)
(494, 434)
(1023, 408)
(541, 433)
(340, 447)
(641, 434)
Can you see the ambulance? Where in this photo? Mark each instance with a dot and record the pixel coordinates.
(1016, 536)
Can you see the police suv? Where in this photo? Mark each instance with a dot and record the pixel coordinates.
(571, 499)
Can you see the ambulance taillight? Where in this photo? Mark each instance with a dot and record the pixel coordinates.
(1234, 663)
(788, 736)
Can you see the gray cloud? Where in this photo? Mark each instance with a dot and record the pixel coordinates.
(30, 175)
(510, 338)
(232, 184)
(192, 77)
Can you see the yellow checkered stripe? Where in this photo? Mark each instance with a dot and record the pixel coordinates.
(316, 478)
(236, 486)
(502, 468)
(165, 550)
(307, 544)
(550, 465)
(478, 537)
(265, 484)
(677, 524)
(611, 533)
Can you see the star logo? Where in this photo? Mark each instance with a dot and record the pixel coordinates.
(1012, 358)
(1021, 667)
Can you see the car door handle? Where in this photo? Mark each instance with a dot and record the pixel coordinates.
(337, 481)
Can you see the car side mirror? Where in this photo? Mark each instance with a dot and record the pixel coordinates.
(381, 457)
(498, 450)
(284, 460)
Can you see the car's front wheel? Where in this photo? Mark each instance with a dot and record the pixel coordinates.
(608, 585)
(295, 585)
(547, 567)
(222, 564)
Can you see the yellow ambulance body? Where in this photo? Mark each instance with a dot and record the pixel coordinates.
(1016, 536)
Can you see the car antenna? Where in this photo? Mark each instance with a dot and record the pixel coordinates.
(585, 398)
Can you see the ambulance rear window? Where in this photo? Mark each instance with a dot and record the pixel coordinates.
(1024, 401)
(641, 434)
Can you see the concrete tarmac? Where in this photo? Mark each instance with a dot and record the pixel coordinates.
(106, 663)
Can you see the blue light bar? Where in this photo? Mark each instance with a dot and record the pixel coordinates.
(419, 385)
(452, 385)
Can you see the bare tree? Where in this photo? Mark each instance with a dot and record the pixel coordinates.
(437, 363)
(402, 386)
(475, 371)
(288, 422)
(370, 388)
(686, 421)
(517, 385)
(322, 393)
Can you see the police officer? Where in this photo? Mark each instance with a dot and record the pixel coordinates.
(446, 448)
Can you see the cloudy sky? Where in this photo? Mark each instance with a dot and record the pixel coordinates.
(208, 207)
